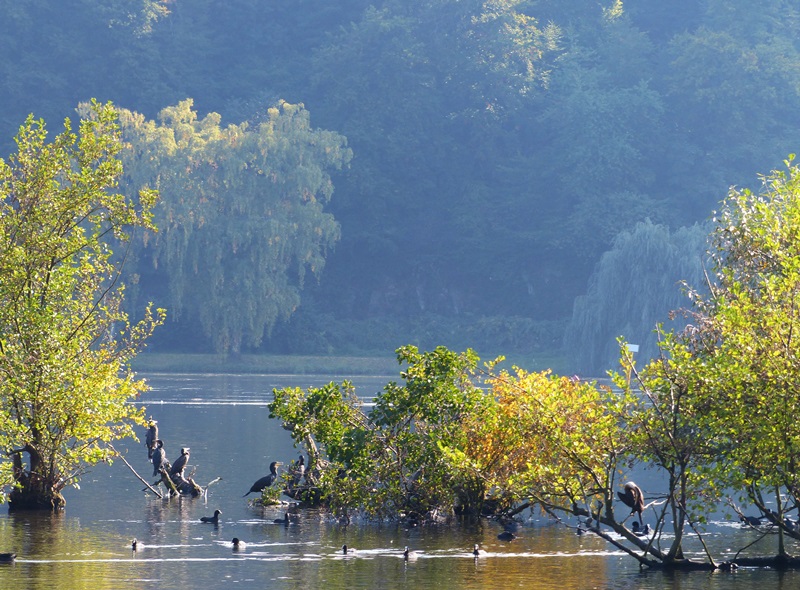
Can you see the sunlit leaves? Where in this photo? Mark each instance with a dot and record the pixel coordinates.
(66, 344)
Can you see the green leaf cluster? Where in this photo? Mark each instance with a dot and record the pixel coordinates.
(65, 341)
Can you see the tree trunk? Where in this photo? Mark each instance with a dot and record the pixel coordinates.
(33, 490)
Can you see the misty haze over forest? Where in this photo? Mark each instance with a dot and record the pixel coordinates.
(523, 178)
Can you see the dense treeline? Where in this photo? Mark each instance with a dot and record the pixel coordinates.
(498, 148)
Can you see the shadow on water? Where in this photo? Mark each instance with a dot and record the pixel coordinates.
(224, 419)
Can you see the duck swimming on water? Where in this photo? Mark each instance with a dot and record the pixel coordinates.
(212, 519)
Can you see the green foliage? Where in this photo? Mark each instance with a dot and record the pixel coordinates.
(406, 456)
(242, 216)
(730, 380)
(65, 342)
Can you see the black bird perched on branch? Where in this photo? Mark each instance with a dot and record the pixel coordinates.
(633, 497)
(212, 519)
(159, 457)
(180, 463)
(151, 437)
(298, 470)
(267, 480)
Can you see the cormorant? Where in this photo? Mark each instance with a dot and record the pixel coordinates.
(633, 497)
(267, 480)
(159, 457)
(151, 437)
(212, 519)
(180, 463)
(298, 470)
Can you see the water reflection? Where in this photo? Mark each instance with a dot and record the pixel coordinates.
(224, 419)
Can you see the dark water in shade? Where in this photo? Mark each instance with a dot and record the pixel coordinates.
(224, 419)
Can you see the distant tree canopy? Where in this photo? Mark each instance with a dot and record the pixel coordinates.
(499, 147)
(634, 287)
(241, 215)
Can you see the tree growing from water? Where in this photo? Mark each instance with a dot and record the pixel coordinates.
(65, 342)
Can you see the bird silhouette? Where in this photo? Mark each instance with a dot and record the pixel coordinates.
(284, 521)
(267, 480)
(7, 557)
(180, 463)
(632, 496)
(506, 536)
(151, 437)
(212, 519)
(238, 544)
(159, 457)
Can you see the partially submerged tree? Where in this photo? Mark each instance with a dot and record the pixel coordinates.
(65, 342)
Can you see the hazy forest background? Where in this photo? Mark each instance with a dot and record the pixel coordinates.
(523, 178)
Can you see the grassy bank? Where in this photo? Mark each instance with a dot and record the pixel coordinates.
(297, 364)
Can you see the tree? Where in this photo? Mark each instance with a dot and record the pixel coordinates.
(65, 342)
(242, 214)
(735, 368)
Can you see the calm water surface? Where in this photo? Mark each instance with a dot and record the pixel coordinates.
(224, 420)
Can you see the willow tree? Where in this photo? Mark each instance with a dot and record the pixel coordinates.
(241, 217)
(65, 342)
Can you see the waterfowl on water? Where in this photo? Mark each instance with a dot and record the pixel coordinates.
(238, 544)
(284, 521)
(267, 480)
(408, 554)
(506, 536)
(632, 497)
(7, 557)
(134, 545)
(640, 532)
(212, 519)
(476, 550)
(347, 550)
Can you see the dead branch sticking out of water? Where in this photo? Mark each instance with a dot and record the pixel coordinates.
(149, 487)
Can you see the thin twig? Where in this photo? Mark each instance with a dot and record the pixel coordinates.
(151, 488)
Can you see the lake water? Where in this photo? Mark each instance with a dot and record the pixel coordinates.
(224, 419)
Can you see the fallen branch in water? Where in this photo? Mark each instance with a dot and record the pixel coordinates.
(151, 488)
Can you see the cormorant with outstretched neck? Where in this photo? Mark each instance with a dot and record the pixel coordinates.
(159, 457)
(180, 463)
(267, 480)
(632, 496)
(151, 437)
